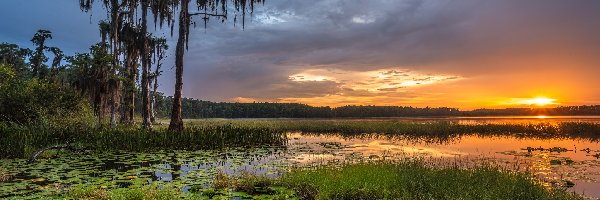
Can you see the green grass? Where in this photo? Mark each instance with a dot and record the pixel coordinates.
(139, 193)
(20, 141)
(575, 130)
(405, 180)
(4, 175)
(412, 180)
(167, 192)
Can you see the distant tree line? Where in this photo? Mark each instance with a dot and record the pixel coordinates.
(195, 109)
(557, 111)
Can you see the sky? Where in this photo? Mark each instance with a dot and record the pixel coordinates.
(458, 53)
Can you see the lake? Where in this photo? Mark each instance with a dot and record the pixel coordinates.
(563, 162)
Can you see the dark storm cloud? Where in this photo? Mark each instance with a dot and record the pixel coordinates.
(460, 38)
(464, 37)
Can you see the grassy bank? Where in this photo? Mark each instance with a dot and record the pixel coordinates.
(22, 141)
(19, 141)
(575, 130)
(414, 181)
(408, 180)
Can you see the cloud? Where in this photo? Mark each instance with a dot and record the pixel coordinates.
(450, 40)
(406, 52)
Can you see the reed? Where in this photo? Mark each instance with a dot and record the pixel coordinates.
(414, 180)
(410, 179)
(574, 130)
(19, 141)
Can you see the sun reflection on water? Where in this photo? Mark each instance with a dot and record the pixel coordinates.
(553, 161)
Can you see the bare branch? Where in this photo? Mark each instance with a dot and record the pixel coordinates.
(208, 14)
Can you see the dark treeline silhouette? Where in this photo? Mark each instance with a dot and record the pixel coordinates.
(195, 109)
(557, 111)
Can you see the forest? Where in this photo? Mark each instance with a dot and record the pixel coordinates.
(117, 75)
(196, 109)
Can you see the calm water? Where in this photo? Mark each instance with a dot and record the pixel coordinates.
(555, 161)
(473, 120)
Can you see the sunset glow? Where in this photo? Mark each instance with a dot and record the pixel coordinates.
(357, 99)
(387, 53)
(538, 101)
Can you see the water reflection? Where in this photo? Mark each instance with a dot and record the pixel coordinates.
(488, 120)
(553, 160)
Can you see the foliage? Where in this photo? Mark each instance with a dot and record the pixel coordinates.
(406, 180)
(92, 76)
(196, 109)
(26, 101)
(21, 141)
(26, 94)
(6, 75)
(136, 193)
(429, 131)
(15, 57)
(38, 58)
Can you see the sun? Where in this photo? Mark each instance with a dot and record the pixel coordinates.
(539, 101)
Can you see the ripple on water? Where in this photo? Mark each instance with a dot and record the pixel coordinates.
(554, 161)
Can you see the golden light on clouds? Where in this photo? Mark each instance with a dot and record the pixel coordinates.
(537, 101)
(389, 86)
(377, 81)
(402, 87)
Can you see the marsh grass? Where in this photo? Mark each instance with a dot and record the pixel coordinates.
(413, 180)
(409, 179)
(20, 141)
(574, 130)
(143, 192)
(168, 192)
(4, 176)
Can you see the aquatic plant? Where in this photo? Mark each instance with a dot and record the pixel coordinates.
(19, 141)
(143, 192)
(414, 180)
(376, 180)
(22, 141)
(434, 131)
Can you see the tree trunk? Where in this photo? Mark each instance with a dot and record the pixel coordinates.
(123, 107)
(154, 94)
(127, 88)
(116, 95)
(176, 120)
(131, 84)
(145, 64)
(113, 114)
(153, 103)
(159, 54)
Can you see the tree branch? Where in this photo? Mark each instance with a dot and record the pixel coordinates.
(39, 152)
(208, 14)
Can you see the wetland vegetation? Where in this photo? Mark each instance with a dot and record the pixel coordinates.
(88, 126)
(404, 180)
(20, 141)
(283, 158)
